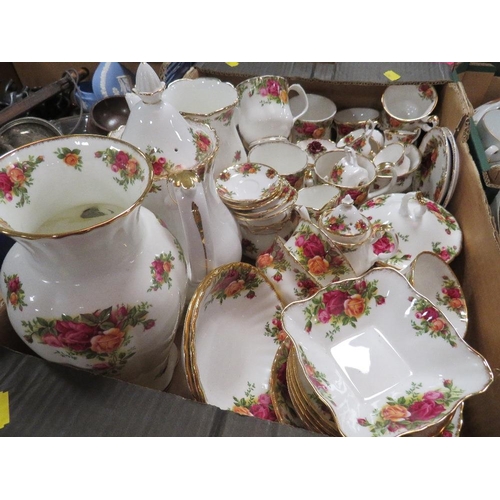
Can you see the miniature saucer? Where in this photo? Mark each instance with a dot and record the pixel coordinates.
(421, 225)
(232, 337)
(433, 177)
(373, 352)
(291, 280)
(318, 254)
(434, 279)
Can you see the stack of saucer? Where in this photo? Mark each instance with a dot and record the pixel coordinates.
(261, 200)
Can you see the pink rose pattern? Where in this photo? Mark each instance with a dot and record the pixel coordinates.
(160, 269)
(259, 406)
(16, 178)
(124, 164)
(451, 297)
(101, 337)
(429, 321)
(413, 411)
(15, 292)
(269, 89)
(342, 304)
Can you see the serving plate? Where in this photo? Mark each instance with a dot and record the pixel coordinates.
(230, 338)
(384, 366)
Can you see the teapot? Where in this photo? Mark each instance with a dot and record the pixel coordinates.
(362, 242)
(183, 194)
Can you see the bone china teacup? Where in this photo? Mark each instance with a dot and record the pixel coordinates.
(264, 108)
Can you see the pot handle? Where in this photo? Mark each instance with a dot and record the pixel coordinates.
(190, 197)
(299, 89)
(404, 210)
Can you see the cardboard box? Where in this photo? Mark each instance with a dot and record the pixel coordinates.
(362, 84)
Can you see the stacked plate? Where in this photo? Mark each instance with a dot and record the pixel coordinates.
(437, 176)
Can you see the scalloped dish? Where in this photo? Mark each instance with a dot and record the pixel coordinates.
(382, 357)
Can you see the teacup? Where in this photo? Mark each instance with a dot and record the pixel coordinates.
(287, 158)
(264, 108)
(316, 199)
(489, 132)
(347, 120)
(410, 106)
(392, 155)
(330, 167)
(316, 122)
(403, 136)
(366, 141)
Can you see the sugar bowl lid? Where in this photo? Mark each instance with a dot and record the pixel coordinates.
(345, 224)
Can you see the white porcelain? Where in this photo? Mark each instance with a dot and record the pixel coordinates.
(383, 366)
(248, 184)
(433, 176)
(405, 172)
(331, 166)
(455, 166)
(366, 141)
(392, 155)
(434, 278)
(403, 136)
(94, 280)
(287, 158)
(290, 279)
(232, 338)
(349, 119)
(488, 129)
(316, 122)
(314, 147)
(409, 105)
(316, 253)
(264, 108)
(361, 242)
(421, 225)
(182, 153)
(215, 103)
(315, 199)
(481, 110)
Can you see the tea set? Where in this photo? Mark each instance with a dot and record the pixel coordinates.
(284, 238)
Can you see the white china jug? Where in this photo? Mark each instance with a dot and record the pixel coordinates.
(94, 280)
(264, 109)
(214, 102)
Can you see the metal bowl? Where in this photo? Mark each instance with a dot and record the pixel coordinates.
(108, 114)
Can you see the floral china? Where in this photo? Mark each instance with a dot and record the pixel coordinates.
(316, 253)
(349, 119)
(420, 224)
(248, 184)
(384, 368)
(410, 106)
(291, 280)
(264, 108)
(435, 279)
(366, 141)
(94, 279)
(287, 158)
(351, 173)
(278, 386)
(314, 147)
(404, 175)
(232, 338)
(316, 122)
(317, 198)
(455, 166)
(183, 194)
(433, 176)
(403, 136)
(362, 243)
(214, 102)
(392, 155)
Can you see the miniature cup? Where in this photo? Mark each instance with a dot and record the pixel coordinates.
(287, 158)
(410, 106)
(347, 120)
(328, 168)
(264, 108)
(366, 141)
(392, 155)
(316, 122)
(403, 136)
(317, 198)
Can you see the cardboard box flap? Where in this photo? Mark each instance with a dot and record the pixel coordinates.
(339, 72)
(49, 399)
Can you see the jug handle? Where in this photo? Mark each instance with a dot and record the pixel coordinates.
(299, 89)
(189, 191)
